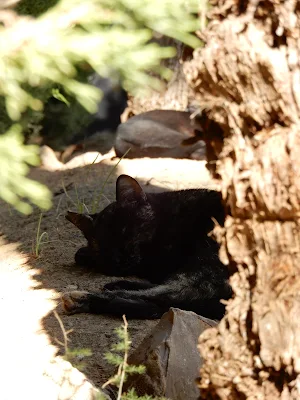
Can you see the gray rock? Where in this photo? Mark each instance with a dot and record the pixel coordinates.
(161, 133)
(171, 357)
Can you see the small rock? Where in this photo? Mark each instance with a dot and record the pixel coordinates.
(160, 133)
(170, 356)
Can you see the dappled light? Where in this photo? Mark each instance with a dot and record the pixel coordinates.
(110, 110)
(27, 352)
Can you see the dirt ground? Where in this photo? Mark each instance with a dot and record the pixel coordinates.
(30, 287)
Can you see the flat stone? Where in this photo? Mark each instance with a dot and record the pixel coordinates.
(171, 357)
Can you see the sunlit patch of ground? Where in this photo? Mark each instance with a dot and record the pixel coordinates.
(29, 368)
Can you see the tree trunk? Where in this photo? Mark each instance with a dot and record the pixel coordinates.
(175, 94)
(247, 79)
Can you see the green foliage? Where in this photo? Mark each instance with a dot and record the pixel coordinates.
(111, 37)
(39, 237)
(131, 395)
(78, 203)
(104, 33)
(76, 357)
(59, 96)
(120, 361)
(63, 120)
(15, 159)
(113, 357)
(34, 7)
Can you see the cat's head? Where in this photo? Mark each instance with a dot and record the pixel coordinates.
(118, 236)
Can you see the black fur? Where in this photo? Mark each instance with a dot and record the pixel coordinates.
(162, 238)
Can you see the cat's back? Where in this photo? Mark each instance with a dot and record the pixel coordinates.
(181, 241)
(189, 204)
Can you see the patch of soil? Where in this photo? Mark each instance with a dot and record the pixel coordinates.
(31, 286)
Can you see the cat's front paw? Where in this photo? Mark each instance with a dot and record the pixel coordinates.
(76, 301)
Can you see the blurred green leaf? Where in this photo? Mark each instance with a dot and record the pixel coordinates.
(107, 34)
(59, 96)
(15, 159)
(45, 49)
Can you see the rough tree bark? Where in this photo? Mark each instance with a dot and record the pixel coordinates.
(247, 80)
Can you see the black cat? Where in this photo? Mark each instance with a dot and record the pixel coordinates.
(160, 237)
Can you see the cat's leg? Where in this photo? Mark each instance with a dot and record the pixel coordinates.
(85, 257)
(128, 285)
(148, 303)
(108, 302)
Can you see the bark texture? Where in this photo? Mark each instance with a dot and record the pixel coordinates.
(247, 81)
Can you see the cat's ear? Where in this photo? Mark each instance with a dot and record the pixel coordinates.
(129, 191)
(84, 222)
